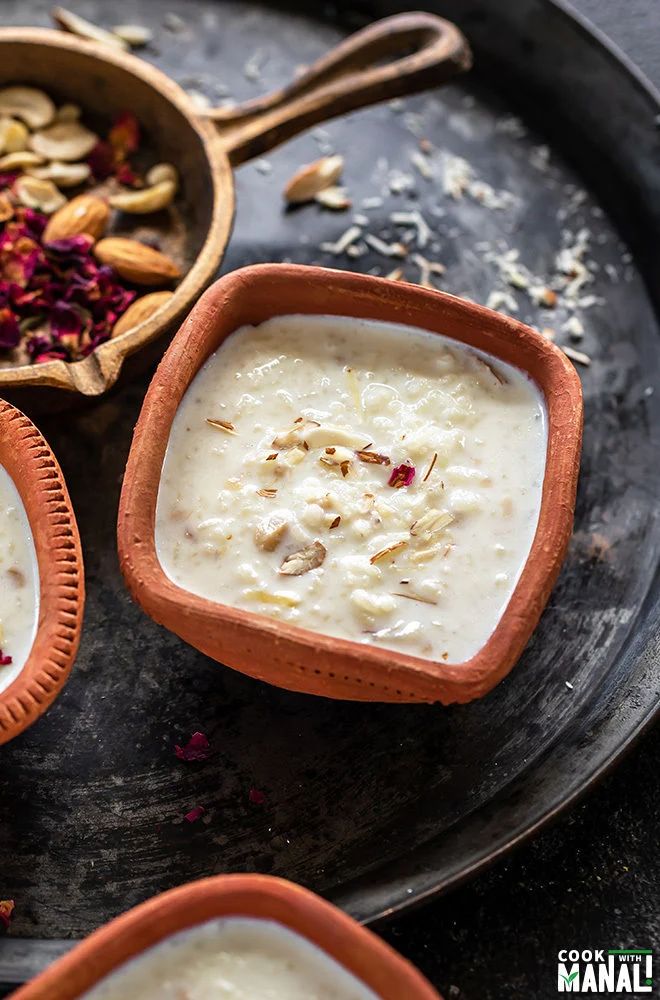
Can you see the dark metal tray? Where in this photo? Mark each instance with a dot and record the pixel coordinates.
(376, 807)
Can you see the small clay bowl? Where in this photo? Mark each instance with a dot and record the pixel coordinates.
(359, 951)
(290, 656)
(40, 483)
(390, 58)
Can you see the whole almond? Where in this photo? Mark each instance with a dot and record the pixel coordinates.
(140, 310)
(312, 178)
(84, 214)
(136, 262)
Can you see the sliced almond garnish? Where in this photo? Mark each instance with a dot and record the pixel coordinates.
(395, 275)
(270, 531)
(430, 468)
(80, 26)
(135, 35)
(377, 556)
(431, 522)
(32, 106)
(334, 197)
(414, 597)
(64, 141)
(284, 600)
(222, 425)
(38, 194)
(329, 434)
(335, 523)
(265, 492)
(308, 558)
(372, 457)
(312, 178)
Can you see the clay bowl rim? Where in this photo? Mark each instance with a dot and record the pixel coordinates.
(38, 478)
(410, 678)
(96, 373)
(353, 946)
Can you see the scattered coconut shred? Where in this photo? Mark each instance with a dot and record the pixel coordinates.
(412, 237)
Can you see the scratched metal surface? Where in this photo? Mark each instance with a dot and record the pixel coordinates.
(374, 806)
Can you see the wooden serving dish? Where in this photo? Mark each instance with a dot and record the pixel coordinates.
(290, 656)
(38, 478)
(204, 146)
(359, 951)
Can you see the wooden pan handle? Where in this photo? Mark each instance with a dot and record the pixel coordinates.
(351, 76)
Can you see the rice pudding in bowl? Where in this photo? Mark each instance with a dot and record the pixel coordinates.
(365, 480)
(367, 495)
(234, 937)
(19, 583)
(41, 575)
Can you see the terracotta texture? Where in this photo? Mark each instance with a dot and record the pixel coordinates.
(290, 656)
(38, 478)
(389, 975)
(205, 145)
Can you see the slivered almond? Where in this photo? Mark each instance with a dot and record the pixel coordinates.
(80, 26)
(308, 558)
(431, 522)
(377, 556)
(222, 425)
(333, 197)
(372, 457)
(312, 178)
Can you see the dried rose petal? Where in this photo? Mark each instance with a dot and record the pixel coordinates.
(402, 475)
(126, 175)
(124, 136)
(195, 814)
(197, 748)
(6, 910)
(5, 660)
(256, 797)
(73, 247)
(10, 333)
(101, 160)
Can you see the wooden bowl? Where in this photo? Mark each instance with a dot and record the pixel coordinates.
(204, 145)
(290, 656)
(381, 968)
(39, 481)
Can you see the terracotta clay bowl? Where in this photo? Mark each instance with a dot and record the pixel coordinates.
(290, 656)
(38, 478)
(396, 56)
(359, 951)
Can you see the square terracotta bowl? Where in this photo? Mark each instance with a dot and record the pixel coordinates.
(294, 657)
(38, 478)
(359, 951)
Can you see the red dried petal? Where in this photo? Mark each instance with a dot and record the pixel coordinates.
(124, 136)
(6, 910)
(101, 160)
(10, 333)
(256, 797)
(197, 748)
(5, 660)
(402, 475)
(195, 814)
(126, 175)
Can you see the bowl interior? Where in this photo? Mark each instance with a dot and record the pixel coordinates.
(324, 664)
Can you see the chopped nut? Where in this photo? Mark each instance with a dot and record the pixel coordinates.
(283, 599)
(377, 556)
(145, 200)
(135, 35)
(372, 457)
(335, 523)
(270, 531)
(64, 175)
(431, 522)
(38, 194)
(312, 178)
(64, 141)
(80, 26)
(334, 197)
(19, 160)
(265, 492)
(329, 434)
(32, 106)
(222, 425)
(308, 558)
(414, 597)
(430, 468)
(578, 356)
(13, 135)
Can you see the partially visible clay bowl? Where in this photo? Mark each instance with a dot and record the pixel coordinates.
(290, 656)
(381, 968)
(39, 481)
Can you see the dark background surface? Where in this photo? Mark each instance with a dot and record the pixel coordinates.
(593, 879)
(590, 881)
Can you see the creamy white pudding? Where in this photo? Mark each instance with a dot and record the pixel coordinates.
(365, 480)
(19, 583)
(232, 958)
